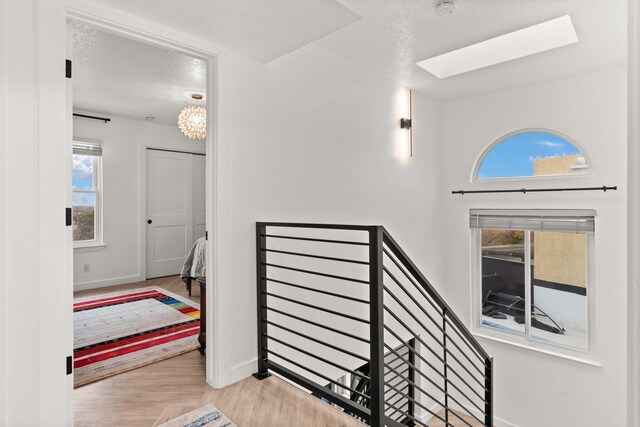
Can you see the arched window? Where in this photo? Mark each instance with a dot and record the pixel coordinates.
(529, 154)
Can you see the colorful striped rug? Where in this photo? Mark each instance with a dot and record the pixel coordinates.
(207, 416)
(121, 331)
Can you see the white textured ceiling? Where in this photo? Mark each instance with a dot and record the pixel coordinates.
(119, 76)
(261, 29)
(393, 35)
(390, 36)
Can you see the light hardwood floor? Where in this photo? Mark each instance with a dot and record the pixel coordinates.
(161, 391)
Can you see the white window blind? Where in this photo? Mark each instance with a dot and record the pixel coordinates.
(87, 149)
(558, 220)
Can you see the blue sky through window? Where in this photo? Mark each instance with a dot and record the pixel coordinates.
(82, 179)
(514, 156)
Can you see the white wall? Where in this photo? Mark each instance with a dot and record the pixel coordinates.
(23, 209)
(533, 389)
(36, 344)
(310, 137)
(338, 123)
(313, 139)
(124, 142)
(4, 22)
(634, 216)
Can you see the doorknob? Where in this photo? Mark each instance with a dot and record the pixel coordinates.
(149, 221)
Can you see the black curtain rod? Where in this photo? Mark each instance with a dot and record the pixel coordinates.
(536, 190)
(104, 119)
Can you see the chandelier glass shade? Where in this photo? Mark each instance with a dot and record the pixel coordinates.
(192, 121)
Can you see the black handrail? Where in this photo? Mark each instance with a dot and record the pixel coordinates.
(417, 274)
(386, 390)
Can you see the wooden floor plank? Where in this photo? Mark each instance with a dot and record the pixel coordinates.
(165, 390)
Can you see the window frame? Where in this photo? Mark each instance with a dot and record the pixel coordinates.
(525, 341)
(97, 242)
(489, 147)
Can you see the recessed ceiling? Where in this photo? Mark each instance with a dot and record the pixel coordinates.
(390, 39)
(119, 76)
(390, 36)
(260, 29)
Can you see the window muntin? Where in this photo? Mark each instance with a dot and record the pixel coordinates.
(86, 196)
(530, 154)
(532, 283)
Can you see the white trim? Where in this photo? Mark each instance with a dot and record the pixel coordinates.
(142, 211)
(633, 215)
(218, 72)
(98, 193)
(4, 39)
(109, 282)
(425, 417)
(586, 356)
(51, 282)
(528, 285)
(489, 335)
(489, 147)
(244, 369)
(90, 247)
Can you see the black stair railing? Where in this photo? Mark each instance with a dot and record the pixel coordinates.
(344, 306)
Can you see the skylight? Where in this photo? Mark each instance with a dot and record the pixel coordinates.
(538, 38)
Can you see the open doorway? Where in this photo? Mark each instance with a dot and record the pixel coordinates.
(139, 207)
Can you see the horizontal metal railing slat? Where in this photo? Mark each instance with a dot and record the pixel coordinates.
(326, 258)
(430, 365)
(415, 272)
(301, 274)
(311, 322)
(333, 294)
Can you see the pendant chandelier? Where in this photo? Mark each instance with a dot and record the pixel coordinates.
(192, 120)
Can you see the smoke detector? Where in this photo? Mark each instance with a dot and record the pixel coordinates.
(445, 7)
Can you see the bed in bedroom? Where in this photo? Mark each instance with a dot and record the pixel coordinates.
(195, 266)
(195, 269)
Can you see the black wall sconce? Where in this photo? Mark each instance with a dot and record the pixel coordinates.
(405, 123)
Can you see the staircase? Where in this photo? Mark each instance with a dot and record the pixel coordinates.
(345, 314)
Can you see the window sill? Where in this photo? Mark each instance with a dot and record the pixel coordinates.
(89, 248)
(558, 354)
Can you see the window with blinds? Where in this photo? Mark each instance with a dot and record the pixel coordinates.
(533, 274)
(87, 194)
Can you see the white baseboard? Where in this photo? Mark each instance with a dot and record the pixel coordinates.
(244, 370)
(109, 282)
(502, 423)
(497, 422)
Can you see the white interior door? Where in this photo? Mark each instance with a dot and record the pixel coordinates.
(199, 196)
(169, 211)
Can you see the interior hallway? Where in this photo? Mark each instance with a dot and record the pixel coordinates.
(156, 393)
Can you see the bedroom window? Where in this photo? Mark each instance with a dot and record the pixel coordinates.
(87, 194)
(531, 154)
(532, 275)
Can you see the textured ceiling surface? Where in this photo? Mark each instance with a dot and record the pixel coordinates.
(260, 29)
(390, 36)
(394, 35)
(116, 75)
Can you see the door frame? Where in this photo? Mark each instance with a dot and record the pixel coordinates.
(144, 200)
(633, 213)
(217, 104)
